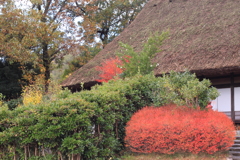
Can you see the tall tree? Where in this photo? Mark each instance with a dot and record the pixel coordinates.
(52, 36)
(40, 32)
(105, 19)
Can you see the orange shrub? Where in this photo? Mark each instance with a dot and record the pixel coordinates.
(171, 129)
(109, 69)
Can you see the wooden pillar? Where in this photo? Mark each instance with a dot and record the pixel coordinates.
(232, 98)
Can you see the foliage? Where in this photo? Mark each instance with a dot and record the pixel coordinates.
(62, 126)
(184, 89)
(1, 99)
(141, 62)
(130, 63)
(178, 88)
(110, 69)
(10, 76)
(44, 31)
(117, 100)
(13, 103)
(171, 129)
(106, 19)
(14, 76)
(89, 124)
(35, 34)
(16, 40)
(32, 94)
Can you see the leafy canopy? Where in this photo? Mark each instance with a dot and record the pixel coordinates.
(40, 32)
(106, 19)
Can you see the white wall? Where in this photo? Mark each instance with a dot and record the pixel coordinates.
(223, 102)
(237, 98)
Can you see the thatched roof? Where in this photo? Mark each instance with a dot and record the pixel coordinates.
(204, 38)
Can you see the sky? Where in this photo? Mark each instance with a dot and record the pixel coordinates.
(23, 4)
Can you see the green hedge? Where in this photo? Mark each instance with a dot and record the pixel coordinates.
(62, 127)
(88, 124)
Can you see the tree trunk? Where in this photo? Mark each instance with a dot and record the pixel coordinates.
(25, 152)
(46, 64)
(105, 39)
(104, 36)
(36, 150)
(14, 151)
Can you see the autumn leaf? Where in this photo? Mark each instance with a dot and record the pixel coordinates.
(109, 69)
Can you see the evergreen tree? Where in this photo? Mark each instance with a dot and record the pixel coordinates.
(10, 76)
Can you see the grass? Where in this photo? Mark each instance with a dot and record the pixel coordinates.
(182, 156)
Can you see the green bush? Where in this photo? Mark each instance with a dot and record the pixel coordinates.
(183, 89)
(35, 129)
(117, 100)
(140, 62)
(13, 103)
(89, 124)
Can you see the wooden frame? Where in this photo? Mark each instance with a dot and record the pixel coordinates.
(229, 81)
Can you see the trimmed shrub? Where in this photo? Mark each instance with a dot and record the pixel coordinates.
(117, 101)
(87, 124)
(171, 129)
(61, 127)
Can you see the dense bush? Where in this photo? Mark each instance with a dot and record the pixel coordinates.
(183, 89)
(172, 129)
(117, 101)
(13, 103)
(62, 127)
(32, 94)
(88, 124)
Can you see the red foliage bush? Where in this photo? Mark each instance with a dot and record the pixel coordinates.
(171, 129)
(109, 69)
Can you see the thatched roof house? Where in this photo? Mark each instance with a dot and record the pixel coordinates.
(204, 38)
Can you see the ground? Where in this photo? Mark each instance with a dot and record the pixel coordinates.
(217, 156)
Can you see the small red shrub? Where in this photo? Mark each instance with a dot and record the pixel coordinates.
(109, 69)
(170, 129)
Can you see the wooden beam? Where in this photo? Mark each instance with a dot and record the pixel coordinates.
(226, 76)
(232, 98)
